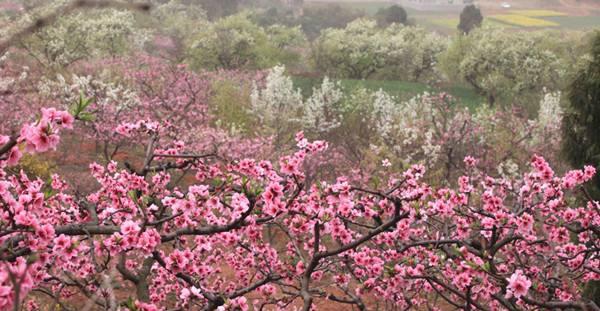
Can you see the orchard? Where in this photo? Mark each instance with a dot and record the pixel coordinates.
(188, 172)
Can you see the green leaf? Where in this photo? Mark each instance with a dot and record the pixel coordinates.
(132, 194)
(85, 102)
(130, 304)
(86, 116)
(146, 200)
(79, 107)
(49, 193)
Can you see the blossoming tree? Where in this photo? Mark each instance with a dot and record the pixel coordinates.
(490, 244)
(362, 50)
(254, 234)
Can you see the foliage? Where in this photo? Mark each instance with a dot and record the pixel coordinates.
(470, 17)
(230, 105)
(582, 116)
(315, 17)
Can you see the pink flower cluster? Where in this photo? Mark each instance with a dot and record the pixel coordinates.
(44, 135)
(40, 136)
(518, 285)
(252, 230)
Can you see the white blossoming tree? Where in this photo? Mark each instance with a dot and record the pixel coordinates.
(82, 35)
(503, 65)
(363, 50)
(276, 104)
(237, 42)
(549, 120)
(366, 126)
(350, 52)
(322, 111)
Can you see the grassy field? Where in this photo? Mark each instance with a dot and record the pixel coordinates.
(402, 90)
(576, 22)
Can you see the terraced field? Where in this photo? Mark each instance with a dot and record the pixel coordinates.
(523, 21)
(537, 13)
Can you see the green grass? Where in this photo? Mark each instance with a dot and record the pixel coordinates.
(576, 22)
(401, 89)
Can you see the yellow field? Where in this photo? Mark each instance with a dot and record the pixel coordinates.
(537, 13)
(524, 21)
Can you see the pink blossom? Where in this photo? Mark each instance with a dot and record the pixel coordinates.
(129, 228)
(470, 161)
(518, 285)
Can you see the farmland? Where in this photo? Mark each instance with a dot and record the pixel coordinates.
(523, 21)
(522, 18)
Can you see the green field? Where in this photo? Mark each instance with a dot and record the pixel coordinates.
(576, 22)
(402, 90)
